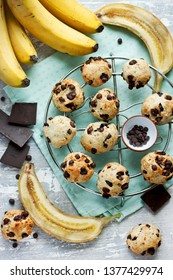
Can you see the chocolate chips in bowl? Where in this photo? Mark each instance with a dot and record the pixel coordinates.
(139, 133)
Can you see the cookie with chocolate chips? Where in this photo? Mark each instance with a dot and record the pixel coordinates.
(77, 167)
(113, 179)
(99, 137)
(68, 95)
(104, 105)
(158, 107)
(16, 225)
(157, 167)
(96, 71)
(144, 239)
(136, 72)
(59, 130)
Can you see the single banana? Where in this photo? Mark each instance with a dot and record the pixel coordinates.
(148, 27)
(11, 72)
(75, 15)
(22, 45)
(50, 218)
(48, 29)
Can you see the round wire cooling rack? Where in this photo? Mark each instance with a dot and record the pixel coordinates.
(118, 149)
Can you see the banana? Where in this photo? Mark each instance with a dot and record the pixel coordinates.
(75, 15)
(148, 27)
(22, 45)
(49, 217)
(48, 29)
(11, 72)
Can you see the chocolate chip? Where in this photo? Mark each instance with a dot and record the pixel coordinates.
(28, 158)
(93, 150)
(92, 165)
(56, 90)
(35, 235)
(159, 243)
(71, 87)
(125, 186)
(117, 104)
(2, 98)
(93, 103)
(11, 200)
(129, 236)
(71, 162)
(143, 253)
(90, 130)
(77, 156)
(132, 62)
(63, 87)
(83, 171)
(160, 93)
(119, 41)
(69, 131)
(154, 112)
(151, 250)
(161, 107)
(158, 119)
(90, 82)
(10, 234)
(168, 97)
(99, 96)
(6, 221)
(66, 174)
(24, 214)
(104, 77)
(134, 238)
(71, 95)
(24, 235)
(46, 124)
(104, 116)
(72, 123)
(61, 99)
(15, 245)
(110, 184)
(63, 164)
(154, 167)
(17, 218)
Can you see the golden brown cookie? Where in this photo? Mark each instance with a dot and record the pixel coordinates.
(144, 239)
(157, 167)
(104, 105)
(136, 72)
(113, 179)
(68, 95)
(16, 225)
(59, 130)
(158, 107)
(96, 71)
(78, 167)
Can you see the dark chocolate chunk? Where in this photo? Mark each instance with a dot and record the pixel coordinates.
(23, 114)
(15, 155)
(83, 171)
(17, 134)
(151, 250)
(15, 244)
(156, 197)
(132, 62)
(6, 221)
(28, 157)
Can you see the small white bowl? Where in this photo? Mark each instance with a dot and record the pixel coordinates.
(145, 122)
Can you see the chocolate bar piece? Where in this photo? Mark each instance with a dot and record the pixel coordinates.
(17, 134)
(15, 155)
(156, 197)
(23, 114)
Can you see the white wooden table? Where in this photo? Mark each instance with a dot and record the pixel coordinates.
(110, 245)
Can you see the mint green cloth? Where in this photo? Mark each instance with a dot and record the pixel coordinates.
(43, 77)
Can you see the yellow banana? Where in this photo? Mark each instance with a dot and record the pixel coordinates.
(11, 72)
(48, 29)
(49, 217)
(22, 45)
(148, 27)
(74, 14)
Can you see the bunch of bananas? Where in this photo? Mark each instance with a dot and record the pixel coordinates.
(59, 24)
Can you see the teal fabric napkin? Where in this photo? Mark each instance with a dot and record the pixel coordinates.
(43, 77)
